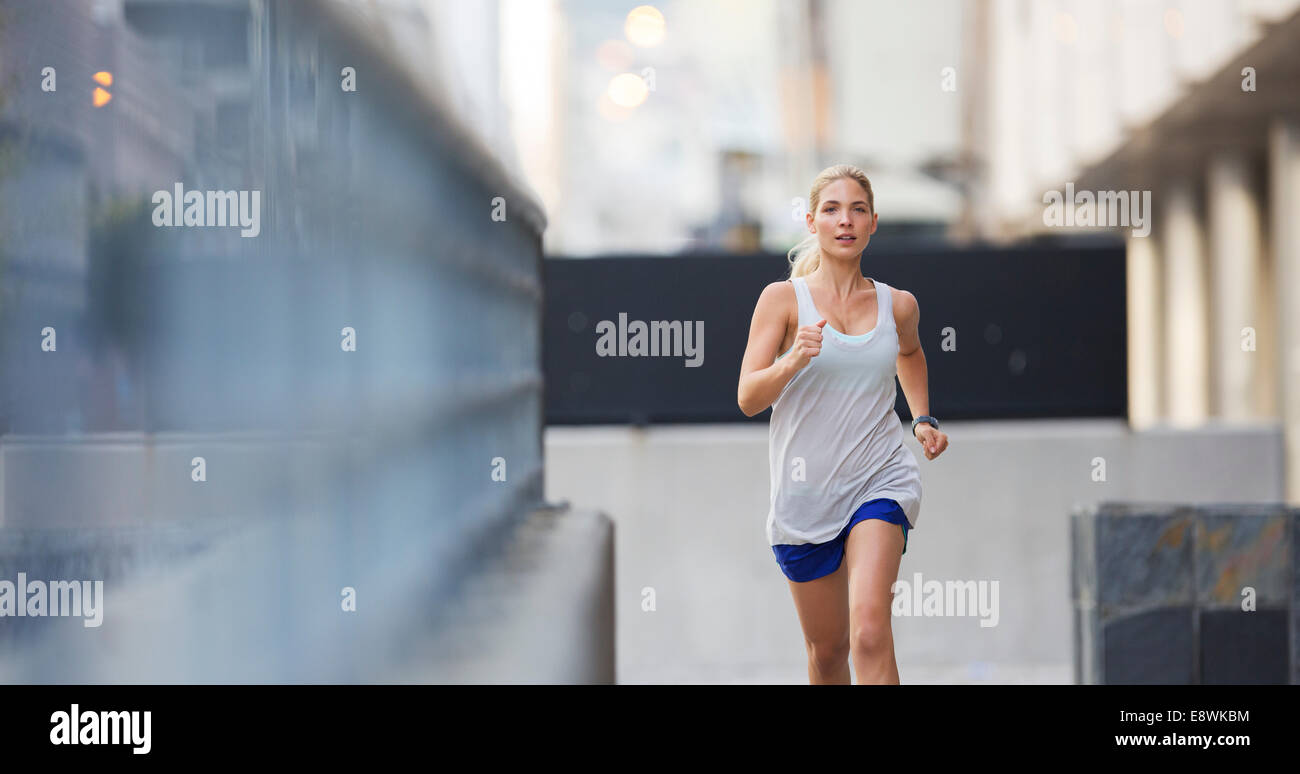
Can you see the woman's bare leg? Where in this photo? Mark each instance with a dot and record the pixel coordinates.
(872, 553)
(823, 607)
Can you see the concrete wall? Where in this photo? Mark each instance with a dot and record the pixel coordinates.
(238, 578)
(689, 505)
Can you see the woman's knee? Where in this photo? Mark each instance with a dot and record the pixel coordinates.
(830, 653)
(872, 631)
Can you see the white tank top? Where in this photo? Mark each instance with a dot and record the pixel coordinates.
(834, 441)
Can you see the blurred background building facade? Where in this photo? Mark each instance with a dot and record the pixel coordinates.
(1196, 103)
(740, 100)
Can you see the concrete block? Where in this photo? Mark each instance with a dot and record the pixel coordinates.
(1151, 648)
(1244, 648)
(1186, 594)
(1239, 547)
(1144, 557)
(1294, 523)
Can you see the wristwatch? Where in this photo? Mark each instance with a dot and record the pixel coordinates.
(924, 418)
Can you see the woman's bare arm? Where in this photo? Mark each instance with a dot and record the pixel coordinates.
(762, 376)
(911, 366)
(913, 374)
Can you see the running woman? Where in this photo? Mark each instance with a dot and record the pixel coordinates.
(845, 491)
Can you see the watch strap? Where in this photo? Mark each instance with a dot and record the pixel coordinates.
(931, 421)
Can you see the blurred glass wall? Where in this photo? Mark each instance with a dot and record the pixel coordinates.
(265, 297)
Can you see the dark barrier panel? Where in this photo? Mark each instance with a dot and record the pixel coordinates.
(1032, 332)
(1168, 594)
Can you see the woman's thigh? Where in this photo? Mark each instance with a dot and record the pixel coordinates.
(823, 608)
(873, 552)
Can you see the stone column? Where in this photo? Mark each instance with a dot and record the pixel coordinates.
(1284, 217)
(1240, 327)
(1146, 402)
(1186, 306)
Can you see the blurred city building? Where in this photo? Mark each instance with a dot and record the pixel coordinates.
(1195, 102)
(686, 126)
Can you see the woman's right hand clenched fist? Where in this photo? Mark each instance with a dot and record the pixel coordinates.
(807, 343)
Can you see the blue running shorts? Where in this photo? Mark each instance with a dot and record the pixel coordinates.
(810, 561)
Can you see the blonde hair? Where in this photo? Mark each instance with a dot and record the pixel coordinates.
(806, 256)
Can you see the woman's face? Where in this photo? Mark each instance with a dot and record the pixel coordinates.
(843, 221)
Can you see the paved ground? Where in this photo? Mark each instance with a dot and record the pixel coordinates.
(975, 673)
(699, 598)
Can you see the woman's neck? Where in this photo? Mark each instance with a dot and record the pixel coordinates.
(843, 277)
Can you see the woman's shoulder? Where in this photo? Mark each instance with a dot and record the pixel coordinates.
(778, 301)
(781, 291)
(903, 302)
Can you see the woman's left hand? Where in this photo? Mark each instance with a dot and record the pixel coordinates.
(933, 442)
